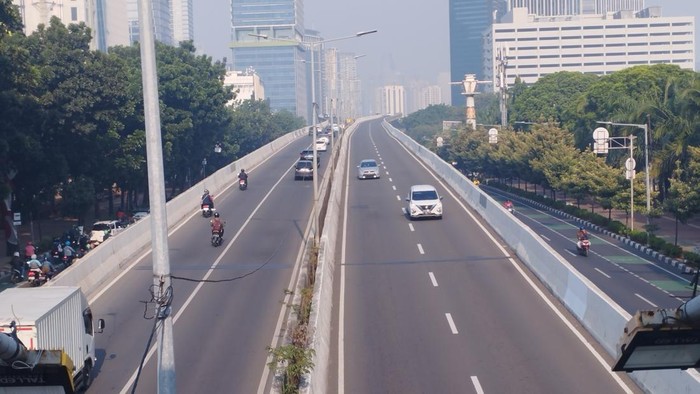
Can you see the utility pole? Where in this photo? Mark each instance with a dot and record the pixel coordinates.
(156, 187)
(502, 83)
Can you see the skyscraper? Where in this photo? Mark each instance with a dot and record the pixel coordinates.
(162, 21)
(468, 21)
(276, 51)
(183, 20)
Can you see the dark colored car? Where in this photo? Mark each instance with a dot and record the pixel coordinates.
(304, 169)
(308, 154)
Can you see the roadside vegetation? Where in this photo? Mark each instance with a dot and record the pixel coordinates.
(73, 124)
(551, 143)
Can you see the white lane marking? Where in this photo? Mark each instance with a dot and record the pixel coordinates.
(393, 187)
(385, 168)
(432, 279)
(383, 164)
(569, 325)
(661, 267)
(403, 210)
(398, 197)
(183, 308)
(477, 385)
(410, 225)
(570, 252)
(602, 273)
(390, 180)
(545, 238)
(387, 171)
(647, 301)
(420, 249)
(451, 322)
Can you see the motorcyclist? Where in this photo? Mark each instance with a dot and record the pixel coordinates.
(29, 250)
(217, 226)
(68, 253)
(47, 268)
(243, 175)
(207, 199)
(581, 234)
(33, 263)
(18, 264)
(508, 204)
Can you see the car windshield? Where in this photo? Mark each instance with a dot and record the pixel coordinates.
(304, 164)
(368, 164)
(425, 195)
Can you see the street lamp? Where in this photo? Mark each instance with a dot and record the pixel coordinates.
(204, 168)
(646, 161)
(312, 47)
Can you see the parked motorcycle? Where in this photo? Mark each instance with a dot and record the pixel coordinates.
(242, 184)
(207, 211)
(583, 247)
(216, 239)
(16, 276)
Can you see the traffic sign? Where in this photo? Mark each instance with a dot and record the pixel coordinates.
(601, 138)
(630, 164)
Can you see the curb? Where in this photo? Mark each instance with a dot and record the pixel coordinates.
(680, 265)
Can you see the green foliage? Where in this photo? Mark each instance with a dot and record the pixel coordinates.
(78, 195)
(426, 124)
(293, 362)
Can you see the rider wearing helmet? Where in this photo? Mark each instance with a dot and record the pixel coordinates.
(68, 252)
(207, 199)
(581, 234)
(217, 226)
(242, 175)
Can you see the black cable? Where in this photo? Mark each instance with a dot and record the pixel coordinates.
(143, 358)
(234, 278)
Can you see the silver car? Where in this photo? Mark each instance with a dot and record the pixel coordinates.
(368, 169)
(304, 169)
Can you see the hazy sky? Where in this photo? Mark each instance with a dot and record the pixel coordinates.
(413, 37)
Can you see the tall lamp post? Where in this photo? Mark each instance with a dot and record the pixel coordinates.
(313, 45)
(646, 160)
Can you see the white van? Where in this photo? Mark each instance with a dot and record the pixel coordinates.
(424, 201)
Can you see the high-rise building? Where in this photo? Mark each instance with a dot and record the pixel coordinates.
(575, 7)
(392, 99)
(162, 21)
(594, 45)
(269, 37)
(183, 20)
(105, 18)
(468, 21)
(348, 104)
(246, 85)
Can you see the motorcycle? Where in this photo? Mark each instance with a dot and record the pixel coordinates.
(36, 277)
(207, 211)
(216, 239)
(242, 184)
(16, 276)
(583, 246)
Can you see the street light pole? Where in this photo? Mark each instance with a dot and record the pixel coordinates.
(647, 181)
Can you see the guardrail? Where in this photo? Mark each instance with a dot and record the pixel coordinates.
(597, 312)
(119, 251)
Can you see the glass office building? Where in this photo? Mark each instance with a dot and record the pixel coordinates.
(276, 52)
(469, 19)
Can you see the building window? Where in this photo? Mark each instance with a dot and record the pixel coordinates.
(527, 48)
(593, 46)
(74, 14)
(527, 30)
(637, 35)
(549, 29)
(614, 35)
(571, 28)
(591, 27)
(660, 34)
(528, 39)
(571, 65)
(643, 26)
(549, 57)
(617, 44)
(638, 53)
(660, 24)
(660, 52)
(616, 54)
(550, 47)
(570, 46)
(615, 26)
(571, 55)
(681, 24)
(615, 63)
(592, 37)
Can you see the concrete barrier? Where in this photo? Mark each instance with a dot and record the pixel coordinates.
(598, 313)
(119, 251)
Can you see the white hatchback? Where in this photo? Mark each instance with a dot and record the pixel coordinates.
(321, 146)
(424, 201)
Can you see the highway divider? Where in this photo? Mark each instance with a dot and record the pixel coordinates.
(598, 313)
(119, 251)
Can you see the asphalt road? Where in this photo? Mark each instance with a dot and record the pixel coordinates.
(221, 330)
(440, 306)
(632, 279)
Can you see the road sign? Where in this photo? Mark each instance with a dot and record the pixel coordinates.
(630, 174)
(601, 138)
(493, 136)
(630, 164)
(440, 141)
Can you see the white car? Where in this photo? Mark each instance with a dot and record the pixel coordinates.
(424, 201)
(321, 146)
(103, 230)
(368, 169)
(324, 139)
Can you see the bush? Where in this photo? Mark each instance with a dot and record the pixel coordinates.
(638, 236)
(692, 258)
(671, 250)
(617, 227)
(656, 243)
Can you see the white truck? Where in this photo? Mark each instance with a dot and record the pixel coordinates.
(46, 339)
